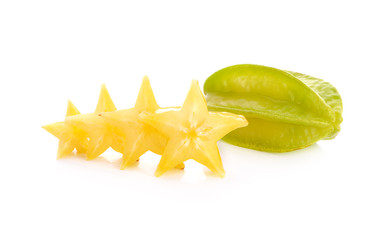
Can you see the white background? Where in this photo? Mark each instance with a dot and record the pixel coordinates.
(52, 51)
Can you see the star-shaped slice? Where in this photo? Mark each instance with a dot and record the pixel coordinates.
(98, 132)
(138, 137)
(70, 137)
(192, 132)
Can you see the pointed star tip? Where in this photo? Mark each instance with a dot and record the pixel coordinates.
(195, 99)
(70, 104)
(195, 84)
(105, 102)
(158, 173)
(145, 99)
(195, 87)
(128, 162)
(146, 78)
(71, 109)
(48, 127)
(61, 155)
(104, 90)
(221, 174)
(124, 165)
(146, 83)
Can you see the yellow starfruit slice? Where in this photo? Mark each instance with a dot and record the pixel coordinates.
(192, 132)
(98, 131)
(137, 137)
(70, 137)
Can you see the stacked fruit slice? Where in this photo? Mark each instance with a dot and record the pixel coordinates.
(178, 134)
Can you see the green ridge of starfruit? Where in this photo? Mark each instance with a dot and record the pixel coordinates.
(285, 110)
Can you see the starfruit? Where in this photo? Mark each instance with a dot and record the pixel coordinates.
(137, 137)
(70, 136)
(99, 133)
(285, 110)
(192, 132)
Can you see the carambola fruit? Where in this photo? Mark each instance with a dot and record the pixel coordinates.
(285, 110)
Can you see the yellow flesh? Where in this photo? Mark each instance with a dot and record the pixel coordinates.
(136, 136)
(178, 134)
(72, 136)
(97, 130)
(192, 132)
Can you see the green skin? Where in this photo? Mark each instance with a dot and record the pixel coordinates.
(285, 110)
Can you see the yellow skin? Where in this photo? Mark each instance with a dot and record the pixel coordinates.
(137, 137)
(95, 127)
(71, 137)
(178, 134)
(192, 132)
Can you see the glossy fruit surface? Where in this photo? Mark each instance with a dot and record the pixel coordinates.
(98, 132)
(192, 132)
(285, 110)
(73, 137)
(70, 137)
(136, 136)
